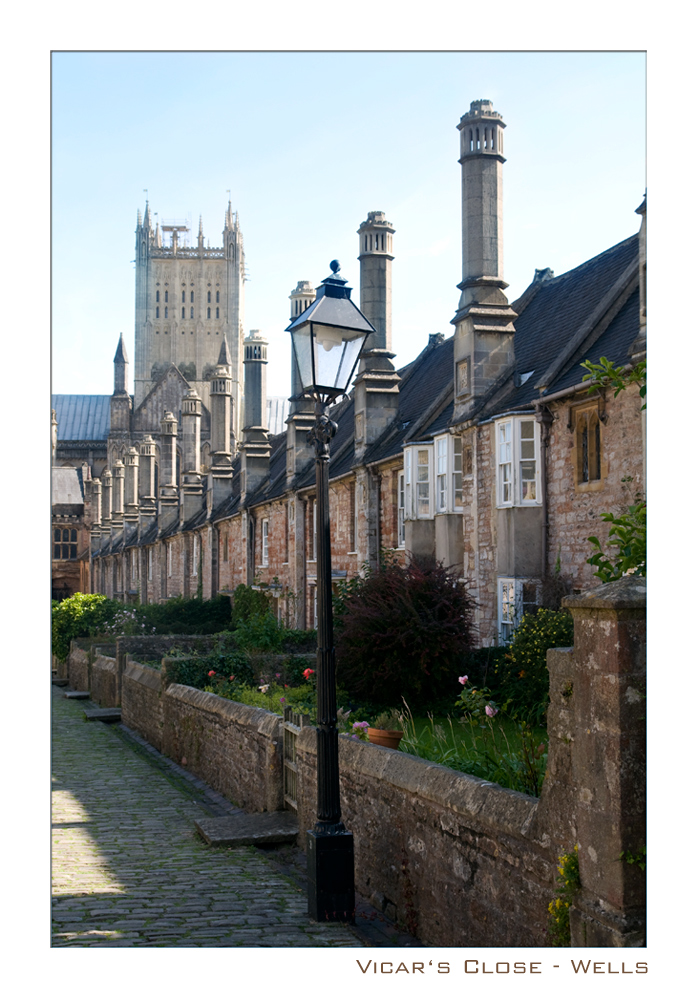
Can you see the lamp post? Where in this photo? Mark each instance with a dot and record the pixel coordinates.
(328, 338)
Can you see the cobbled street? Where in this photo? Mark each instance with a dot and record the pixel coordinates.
(129, 869)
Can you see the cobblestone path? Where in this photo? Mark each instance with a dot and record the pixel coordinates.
(129, 870)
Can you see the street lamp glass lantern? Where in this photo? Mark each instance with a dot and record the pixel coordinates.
(328, 339)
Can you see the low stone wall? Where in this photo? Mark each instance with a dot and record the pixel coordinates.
(142, 702)
(103, 679)
(79, 668)
(234, 748)
(448, 855)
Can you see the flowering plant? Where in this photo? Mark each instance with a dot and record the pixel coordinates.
(307, 673)
(475, 702)
(359, 731)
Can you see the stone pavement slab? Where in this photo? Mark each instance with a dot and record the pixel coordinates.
(129, 870)
(246, 829)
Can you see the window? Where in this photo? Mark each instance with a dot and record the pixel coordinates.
(65, 543)
(515, 598)
(352, 517)
(157, 296)
(208, 312)
(506, 609)
(441, 473)
(195, 555)
(169, 559)
(217, 296)
(517, 443)
(208, 296)
(150, 564)
(191, 296)
(191, 312)
(183, 294)
(265, 542)
(157, 312)
(166, 297)
(588, 446)
(182, 312)
(314, 606)
(166, 309)
(134, 565)
(401, 510)
(217, 316)
(423, 482)
(456, 473)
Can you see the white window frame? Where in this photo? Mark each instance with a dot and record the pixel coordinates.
(169, 558)
(510, 603)
(448, 472)
(401, 510)
(150, 563)
(265, 542)
(512, 460)
(195, 555)
(134, 565)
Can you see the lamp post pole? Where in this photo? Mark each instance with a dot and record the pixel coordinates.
(330, 845)
(328, 337)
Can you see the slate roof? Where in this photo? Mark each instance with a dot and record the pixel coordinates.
(81, 418)
(66, 486)
(554, 314)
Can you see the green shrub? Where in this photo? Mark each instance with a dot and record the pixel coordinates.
(78, 616)
(568, 886)
(402, 632)
(188, 616)
(521, 678)
(249, 603)
(628, 536)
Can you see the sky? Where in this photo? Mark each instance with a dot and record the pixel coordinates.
(307, 143)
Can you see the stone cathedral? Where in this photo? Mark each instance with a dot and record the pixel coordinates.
(189, 315)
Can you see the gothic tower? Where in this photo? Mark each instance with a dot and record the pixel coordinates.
(484, 338)
(188, 299)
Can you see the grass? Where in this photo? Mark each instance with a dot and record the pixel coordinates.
(498, 750)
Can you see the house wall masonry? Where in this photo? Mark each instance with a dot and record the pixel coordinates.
(458, 861)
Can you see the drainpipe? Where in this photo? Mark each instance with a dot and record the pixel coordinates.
(545, 419)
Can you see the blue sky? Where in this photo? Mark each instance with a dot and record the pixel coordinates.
(307, 144)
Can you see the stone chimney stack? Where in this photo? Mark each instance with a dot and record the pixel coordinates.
(375, 286)
(106, 522)
(484, 338)
(146, 485)
(96, 527)
(255, 447)
(118, 496)
(191, 486)
(301, 417)
(221, 396)
(376, 385)
(168, 501)
(131, 486)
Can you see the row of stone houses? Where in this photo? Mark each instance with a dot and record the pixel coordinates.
(487, 452)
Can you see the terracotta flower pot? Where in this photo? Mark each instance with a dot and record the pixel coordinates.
(385, 737)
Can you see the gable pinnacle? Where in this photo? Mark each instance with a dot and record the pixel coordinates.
(224, 356)
(121, 351)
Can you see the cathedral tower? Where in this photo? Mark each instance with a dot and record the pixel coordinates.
(188, 299)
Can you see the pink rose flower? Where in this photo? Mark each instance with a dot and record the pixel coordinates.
(212, 673)
(489, 710)
(464, 679)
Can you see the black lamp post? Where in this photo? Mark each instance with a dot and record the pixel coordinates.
(328, 338)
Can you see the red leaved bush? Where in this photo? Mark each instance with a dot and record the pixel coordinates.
(403, 632)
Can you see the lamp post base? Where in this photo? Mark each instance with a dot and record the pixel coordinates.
(330, 859)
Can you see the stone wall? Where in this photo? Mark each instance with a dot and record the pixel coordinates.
(142, 702)
(234, 748)
(103, 680)
(448, 855)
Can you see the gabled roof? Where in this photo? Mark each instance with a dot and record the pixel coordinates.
(66, 486)
(564, 320)
(81, 418)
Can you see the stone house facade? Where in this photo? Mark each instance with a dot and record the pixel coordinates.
(487, 453)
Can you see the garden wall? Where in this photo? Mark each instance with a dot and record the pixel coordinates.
(449, 855)
(458, 861)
